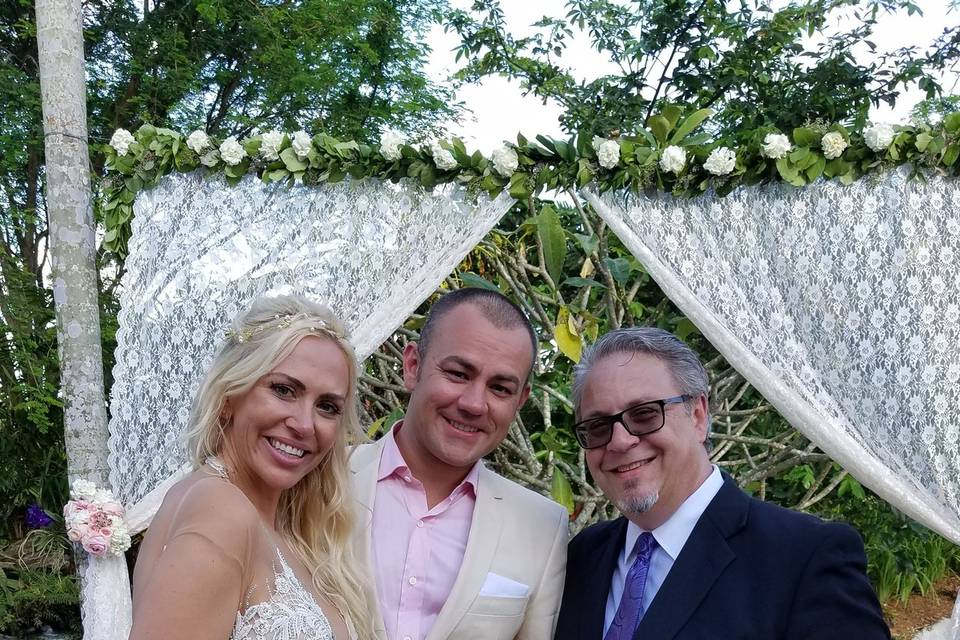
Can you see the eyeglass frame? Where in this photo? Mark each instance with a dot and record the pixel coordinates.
(618, 417)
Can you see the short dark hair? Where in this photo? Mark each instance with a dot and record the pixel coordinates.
(498, 309)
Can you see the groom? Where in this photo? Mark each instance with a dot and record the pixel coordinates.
(455, 550)
(693, 557)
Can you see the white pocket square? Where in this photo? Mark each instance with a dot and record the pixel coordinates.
(501, 587)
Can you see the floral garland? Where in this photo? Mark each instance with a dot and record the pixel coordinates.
(668, 156)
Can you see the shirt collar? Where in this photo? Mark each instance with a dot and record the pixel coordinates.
(393, 464)
(673, 534)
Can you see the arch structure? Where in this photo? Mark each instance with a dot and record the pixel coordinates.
(840, 304)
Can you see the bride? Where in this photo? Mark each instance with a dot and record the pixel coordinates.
(255, 543)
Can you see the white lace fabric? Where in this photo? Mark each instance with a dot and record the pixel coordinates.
(840, 304)
(200, 252)
(290, 611)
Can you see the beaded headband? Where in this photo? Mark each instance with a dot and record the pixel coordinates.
(282, 321)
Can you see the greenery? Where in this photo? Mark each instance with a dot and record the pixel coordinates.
(32, 599)
(545, 164)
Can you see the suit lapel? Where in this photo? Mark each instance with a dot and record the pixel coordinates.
(482, 542)
(364, 465)
(598, 568)
(702, 560)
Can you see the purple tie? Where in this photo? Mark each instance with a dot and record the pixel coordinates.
(631, 603)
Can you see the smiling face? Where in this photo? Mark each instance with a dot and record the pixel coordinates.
(281, 429)
(465, 392)
(647, 477)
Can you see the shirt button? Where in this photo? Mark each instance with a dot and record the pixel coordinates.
(407, 638)
(420, 523)
(412, 580)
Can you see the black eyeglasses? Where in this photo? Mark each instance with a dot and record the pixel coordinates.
(639, 420)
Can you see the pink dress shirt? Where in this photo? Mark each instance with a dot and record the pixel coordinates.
(416, 552)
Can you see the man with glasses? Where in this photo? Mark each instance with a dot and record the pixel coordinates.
(693, 557)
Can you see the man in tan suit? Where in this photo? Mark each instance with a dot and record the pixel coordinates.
(455, 550)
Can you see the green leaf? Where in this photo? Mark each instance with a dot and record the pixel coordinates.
(815, 170)
(804, 137)
(584, 282)
(660, 127)
(672, 114)
(619, 268)
(685, 328)
(589, 244)
(690, 124)
(923, 140)
(518, 186)
(568, 342)
(951, 153)
(553, 240)
(560, 490)
(474, 280)
(952, 123)
(291, 161)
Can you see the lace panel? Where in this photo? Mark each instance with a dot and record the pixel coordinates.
(202, 250)
(841, 304)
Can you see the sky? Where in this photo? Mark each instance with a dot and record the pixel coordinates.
(500, 111)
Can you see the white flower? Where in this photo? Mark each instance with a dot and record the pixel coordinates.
(390, 143)
(101, 496)
(198, 141)
(879, 136)
(505, 161)
(270, 143)
(833, 144)
(673, 159)
(301, 144)
(776, 145)
(232, 152)
(442, 157)
(121, 141)
(83, 490)
(721, 161)
(608, 152)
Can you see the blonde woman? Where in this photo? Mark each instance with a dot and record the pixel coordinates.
(254, 544)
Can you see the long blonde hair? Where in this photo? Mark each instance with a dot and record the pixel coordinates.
(315, 516)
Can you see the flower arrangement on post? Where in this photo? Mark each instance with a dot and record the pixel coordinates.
(94, 519)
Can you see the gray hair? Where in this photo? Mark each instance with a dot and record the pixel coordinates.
(683, 363)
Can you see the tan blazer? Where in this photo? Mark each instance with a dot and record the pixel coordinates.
(516, 535)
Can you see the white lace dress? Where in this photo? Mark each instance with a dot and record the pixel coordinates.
(291, 612)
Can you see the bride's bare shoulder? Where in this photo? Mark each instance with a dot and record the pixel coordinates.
(204, 503)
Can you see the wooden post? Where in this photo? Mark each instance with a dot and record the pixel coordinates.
(71, 236)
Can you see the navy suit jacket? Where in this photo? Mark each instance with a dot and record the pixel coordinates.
(749, 570)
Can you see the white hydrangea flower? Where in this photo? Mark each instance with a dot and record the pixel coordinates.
(121, 141)
(505, 161)
(608, 152)
(721, 161)
(83, 490)
(270, 143)
(442, 157)
(833, 143)
(198, 141)
(232, 151)
(776, 145)
(879, 136)
(120, 540)
(390, 143)
(673, 159)
(102, 495)
(301, 144)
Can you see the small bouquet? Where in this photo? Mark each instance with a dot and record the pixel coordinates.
(94, 518)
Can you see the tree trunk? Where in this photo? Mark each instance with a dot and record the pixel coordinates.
(71, 237)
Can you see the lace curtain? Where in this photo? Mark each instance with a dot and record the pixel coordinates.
(201, 251)
(840, 304)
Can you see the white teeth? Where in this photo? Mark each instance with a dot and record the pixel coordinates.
(280, 446)
(463, 427)
(631, 467)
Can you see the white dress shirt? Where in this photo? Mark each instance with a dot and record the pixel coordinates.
(670, 537)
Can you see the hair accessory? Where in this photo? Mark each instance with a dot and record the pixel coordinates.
(282, 321)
